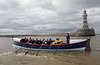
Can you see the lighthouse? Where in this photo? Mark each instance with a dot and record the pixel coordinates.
(85, 24)
(85, 31)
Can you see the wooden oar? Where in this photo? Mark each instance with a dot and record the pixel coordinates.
(49, 48)
(39, 49)
(21, 47)
(57, 48)
(30, 48)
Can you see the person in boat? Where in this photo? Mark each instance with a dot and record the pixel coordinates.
(23, 40)
(68, 38)
(57, 41)
(40, 41)
(46, 41)
(33, 41)
(37, 41)
(26, 40)
(49, 41)
(30, 40)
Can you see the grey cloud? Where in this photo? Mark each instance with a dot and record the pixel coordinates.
(49, 16)
(89, 3)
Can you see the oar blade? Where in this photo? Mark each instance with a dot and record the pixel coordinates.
(40, 49)
(49, 49)
(30, 49)
(37, 54)
(26, 52)
(17, 50)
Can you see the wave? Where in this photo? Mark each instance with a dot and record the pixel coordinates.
(28, 55)
(6, 53)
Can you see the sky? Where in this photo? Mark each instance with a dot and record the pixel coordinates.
(47, 16)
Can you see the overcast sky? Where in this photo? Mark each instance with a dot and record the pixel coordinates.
(47, 16)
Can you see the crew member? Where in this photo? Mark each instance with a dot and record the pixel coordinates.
(57, 41)
(68, 38)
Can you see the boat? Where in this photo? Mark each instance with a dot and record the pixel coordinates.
(74, 45)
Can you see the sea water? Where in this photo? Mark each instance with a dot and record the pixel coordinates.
(9, 57)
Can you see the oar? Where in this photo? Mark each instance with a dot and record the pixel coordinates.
(49, 48)
(21, 47)
(30, 48)
(39, 49)
(57, 48)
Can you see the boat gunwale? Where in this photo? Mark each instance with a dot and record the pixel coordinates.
(56, 45)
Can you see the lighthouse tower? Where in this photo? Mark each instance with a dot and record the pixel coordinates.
(85, 31)
(85, 24)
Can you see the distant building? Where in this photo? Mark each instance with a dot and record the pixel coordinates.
(85, 31)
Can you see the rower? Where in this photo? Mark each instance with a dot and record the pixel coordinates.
(23, 40)
(57, 41)
(37, 41)
(30, 40)
(33, 41)
(49, 42)
(40, 41)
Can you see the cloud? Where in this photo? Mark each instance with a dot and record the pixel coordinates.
(47, 16)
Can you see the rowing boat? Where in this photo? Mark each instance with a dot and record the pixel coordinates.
(74, 45)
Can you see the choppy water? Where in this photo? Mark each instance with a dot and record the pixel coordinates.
(8, 57)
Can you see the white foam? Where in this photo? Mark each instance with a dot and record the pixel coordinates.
(20, 54)
(28, 55)
(7, 53)
(16, 39)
